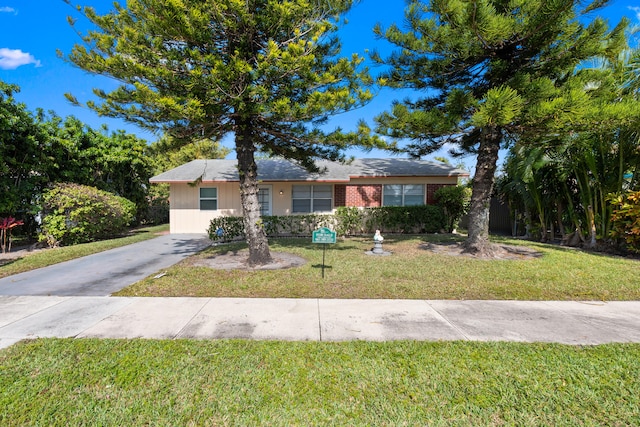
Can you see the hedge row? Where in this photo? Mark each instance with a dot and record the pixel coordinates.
(345, 221)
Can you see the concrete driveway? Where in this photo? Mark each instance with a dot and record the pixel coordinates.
(106, 272)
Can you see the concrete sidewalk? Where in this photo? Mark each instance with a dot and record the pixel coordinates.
(23, 317)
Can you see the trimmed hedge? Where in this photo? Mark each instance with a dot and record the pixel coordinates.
(78, 214)
(404, 219)
(345, 221)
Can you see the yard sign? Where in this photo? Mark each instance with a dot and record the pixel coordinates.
(323, 235)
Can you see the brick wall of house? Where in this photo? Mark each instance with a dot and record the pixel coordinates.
(370, 195)
(431, 189)
(358, 195)
(339, 195)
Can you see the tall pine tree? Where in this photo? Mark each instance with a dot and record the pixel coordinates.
(491, 70)
(266, 71)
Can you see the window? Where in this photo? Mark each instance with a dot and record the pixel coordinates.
(208, 199)
(312, 198)
(264, 198)
(403, 195)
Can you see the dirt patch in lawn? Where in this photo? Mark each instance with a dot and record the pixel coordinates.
(504, 252)
(238, 260)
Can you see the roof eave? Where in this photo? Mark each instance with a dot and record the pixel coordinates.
(189, 181)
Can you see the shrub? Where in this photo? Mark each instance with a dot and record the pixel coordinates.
(346, 221)
(349, 220)
(404, 219)
(226, 228)
(77, 214)
(231, 227)
(454, 201)
(625, 219)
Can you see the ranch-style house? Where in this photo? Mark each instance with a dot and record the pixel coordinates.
(203, 189)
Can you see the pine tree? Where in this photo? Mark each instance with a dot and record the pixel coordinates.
(266, 71)
(492, 71)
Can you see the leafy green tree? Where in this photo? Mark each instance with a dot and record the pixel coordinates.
(168, 153)
(22, 174)
(115, 162)
(266, 71)
(535, 184)
(492, 71)
(573, 173)
(606, 151)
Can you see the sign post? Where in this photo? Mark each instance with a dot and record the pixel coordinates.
(324, 236)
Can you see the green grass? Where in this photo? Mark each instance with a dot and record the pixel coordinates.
(53, 256)
(410, 273)
(216, 383)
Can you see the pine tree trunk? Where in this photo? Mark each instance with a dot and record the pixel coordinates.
(259, 253)
(478, 241)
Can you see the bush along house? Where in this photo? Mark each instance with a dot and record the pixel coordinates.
(202, 190)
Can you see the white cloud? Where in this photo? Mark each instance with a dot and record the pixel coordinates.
(7, 9)
(10, 59)
(636, 9)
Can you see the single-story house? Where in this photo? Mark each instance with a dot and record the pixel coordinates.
(203, 189)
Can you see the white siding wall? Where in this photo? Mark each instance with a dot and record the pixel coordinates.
(185, 215)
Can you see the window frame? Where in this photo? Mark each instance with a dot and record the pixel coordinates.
(266, 212)
(312, 199)
(403, 194)
(207, 199)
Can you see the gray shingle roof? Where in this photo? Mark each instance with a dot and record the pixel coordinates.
(215, 170)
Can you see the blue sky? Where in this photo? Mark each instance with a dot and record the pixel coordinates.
(32, 30)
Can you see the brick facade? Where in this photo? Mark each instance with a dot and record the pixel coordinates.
(339, 195)
(367, 196)
(431, 189)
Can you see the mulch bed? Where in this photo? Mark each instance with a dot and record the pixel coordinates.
(498, 252)
(238, 260)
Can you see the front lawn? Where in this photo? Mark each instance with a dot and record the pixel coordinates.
(60, 382)
(412, 272)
